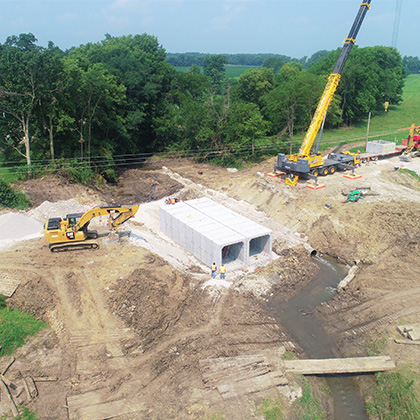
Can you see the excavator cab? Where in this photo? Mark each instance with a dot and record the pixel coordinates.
(73, 218)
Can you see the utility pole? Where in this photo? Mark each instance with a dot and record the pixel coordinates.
(367, 133)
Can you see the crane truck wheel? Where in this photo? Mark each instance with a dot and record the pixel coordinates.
(324, 171)
(332, 170)
(315, 172)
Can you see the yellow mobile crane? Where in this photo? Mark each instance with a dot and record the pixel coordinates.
(72, 232)
(308, 163)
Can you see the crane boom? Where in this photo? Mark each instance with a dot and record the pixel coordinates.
(306, 162)
(333, 81)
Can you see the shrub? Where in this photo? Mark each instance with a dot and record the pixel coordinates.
(9, 197)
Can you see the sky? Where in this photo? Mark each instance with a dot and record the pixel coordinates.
(294, 28)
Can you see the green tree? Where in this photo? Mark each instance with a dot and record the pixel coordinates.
(50, 111)
(291, 105)
(194, 69)
(411, 64)
(289, 71)
(255, 83)
(315, 57)
(372, 75)
(138, 63)
(214, 69)
(23, 85)
(275, 63)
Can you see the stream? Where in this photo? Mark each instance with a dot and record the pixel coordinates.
(297, 317)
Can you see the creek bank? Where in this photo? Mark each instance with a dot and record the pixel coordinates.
(298, 316)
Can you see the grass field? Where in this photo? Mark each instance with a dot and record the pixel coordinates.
(383, 125)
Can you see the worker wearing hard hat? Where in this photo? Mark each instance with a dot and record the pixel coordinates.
(213, 270)
(222, 270)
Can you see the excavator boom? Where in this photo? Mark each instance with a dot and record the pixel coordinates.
(72, 232)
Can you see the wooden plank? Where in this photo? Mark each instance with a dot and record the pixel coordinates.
(259, 383)
(25, 385)
(346, 365)
(45, 378)
(110, 409)
(6, 392)
(213, 363)
(88, 398)
(32, 387)
(407, 341)
(238, 376)
(414, 334)
(224, 370)
(8, 284)
(12, 360)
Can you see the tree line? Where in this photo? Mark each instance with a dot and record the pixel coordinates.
(190, 58)
(411, 64)
(96, 106)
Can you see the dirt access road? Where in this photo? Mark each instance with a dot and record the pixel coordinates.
(131, 322)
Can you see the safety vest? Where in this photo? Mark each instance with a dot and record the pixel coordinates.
(213, 267)
(222, 269)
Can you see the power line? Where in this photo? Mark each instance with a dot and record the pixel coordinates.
(130, 160)
(397, 19)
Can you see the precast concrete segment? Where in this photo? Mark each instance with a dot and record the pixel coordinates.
(201, 235)
(214, 233)
(380, 147)
(258, 238)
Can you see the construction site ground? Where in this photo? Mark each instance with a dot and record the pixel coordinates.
(134, 324)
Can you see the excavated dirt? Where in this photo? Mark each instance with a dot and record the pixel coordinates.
(126, 325)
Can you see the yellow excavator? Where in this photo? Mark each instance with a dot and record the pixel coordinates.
(308, 163)
(71, 233)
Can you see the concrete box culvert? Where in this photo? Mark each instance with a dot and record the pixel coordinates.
(213, 233)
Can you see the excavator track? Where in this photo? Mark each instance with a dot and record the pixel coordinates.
(75, 246)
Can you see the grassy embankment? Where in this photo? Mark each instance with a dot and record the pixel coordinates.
(16, 328)
(383, 126)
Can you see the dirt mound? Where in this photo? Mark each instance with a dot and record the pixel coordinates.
(134, 186)
(54, 189)
(138, 186)
(151, 300)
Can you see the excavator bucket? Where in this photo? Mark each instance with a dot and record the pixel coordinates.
(111, 238)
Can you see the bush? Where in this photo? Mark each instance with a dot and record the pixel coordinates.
(9, 197)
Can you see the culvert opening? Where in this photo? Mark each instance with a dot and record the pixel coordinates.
(231, 253)
(314, 252)
(259, 245)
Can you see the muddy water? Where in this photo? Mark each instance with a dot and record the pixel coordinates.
(297, 317)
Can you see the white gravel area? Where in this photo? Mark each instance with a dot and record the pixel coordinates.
(18, 227)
